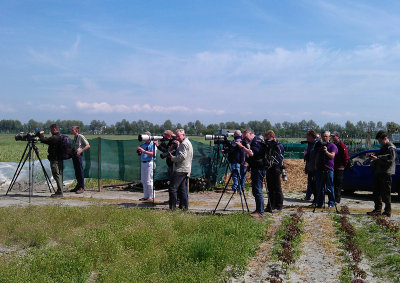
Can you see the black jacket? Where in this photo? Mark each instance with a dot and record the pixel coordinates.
(54, 150)
(257, 160)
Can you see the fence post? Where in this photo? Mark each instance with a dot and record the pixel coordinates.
(99, 164)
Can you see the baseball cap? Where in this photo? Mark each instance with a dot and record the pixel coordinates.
(335, 134)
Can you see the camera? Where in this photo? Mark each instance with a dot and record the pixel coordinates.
(27, 136)
(284, 175)
(218, 139)
(149, 138)
(165, 154)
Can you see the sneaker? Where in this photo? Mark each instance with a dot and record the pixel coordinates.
(387, 214)
(80, 191)
(73, 190)
(150, 199)
(142, 199)
(256, 214)
(374, 213)
(57, 195)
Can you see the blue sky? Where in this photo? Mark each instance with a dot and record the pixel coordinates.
(212, 61)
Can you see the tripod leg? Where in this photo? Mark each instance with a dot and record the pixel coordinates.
(19, 169)
(223, 192)
(46, 176)
(234, 171)
(229, 201)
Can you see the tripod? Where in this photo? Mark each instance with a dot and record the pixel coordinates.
(241, 191)
(29, 154)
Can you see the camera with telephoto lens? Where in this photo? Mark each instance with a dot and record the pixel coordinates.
(27, 136)
(218, 139)
(145, 137)
(167, 148)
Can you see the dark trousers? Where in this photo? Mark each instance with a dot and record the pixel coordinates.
(338, 184)
(381, 191)
(311, 186)
(57, 172)
(79, 174)
(274, 188)
(178, 188)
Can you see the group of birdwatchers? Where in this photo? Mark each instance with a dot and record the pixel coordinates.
(263, 156)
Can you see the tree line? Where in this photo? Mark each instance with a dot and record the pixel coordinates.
(124, 127)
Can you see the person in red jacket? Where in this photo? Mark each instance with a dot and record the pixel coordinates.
(341, 161)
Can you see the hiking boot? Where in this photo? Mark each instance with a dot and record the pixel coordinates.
(57, 195)
(387, 214)
(80, 191)
(256, 214)
(374, 213)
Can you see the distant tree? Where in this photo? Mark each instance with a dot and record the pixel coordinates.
(392, 127)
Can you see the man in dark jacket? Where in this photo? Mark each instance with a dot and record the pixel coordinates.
(384, 164)
(256, 154)
(310, 168)
(275, 151)
(341, 161)
(55, 157)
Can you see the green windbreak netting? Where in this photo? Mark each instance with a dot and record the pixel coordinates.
(119, 161)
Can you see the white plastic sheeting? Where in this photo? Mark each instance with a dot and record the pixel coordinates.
(8, 169)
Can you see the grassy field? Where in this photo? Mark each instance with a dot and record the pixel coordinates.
(110, 244)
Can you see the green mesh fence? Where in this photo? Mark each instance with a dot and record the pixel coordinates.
(119, 161)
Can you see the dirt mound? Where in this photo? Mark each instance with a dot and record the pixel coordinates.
(296, 178)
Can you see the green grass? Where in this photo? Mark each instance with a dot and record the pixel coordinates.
(110, 244)
(380, 248)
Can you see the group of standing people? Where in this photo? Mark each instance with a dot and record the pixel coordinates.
(264, 158)
(325, 165)
(326, 162)
(56, 158)
(179, 163)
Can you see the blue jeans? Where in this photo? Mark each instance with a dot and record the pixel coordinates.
(324, 179)
(243, 171)
(236, 177)
(257, 176)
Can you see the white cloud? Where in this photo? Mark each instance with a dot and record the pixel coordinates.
(104, 107)
(51, 107)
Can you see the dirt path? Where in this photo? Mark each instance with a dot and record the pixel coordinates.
(319, 260)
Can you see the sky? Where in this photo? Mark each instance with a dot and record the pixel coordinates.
(213, 61)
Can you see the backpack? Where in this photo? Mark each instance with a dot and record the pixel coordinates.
(272, 151)
(66, 147)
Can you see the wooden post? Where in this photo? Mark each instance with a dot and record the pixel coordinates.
(99, 164)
